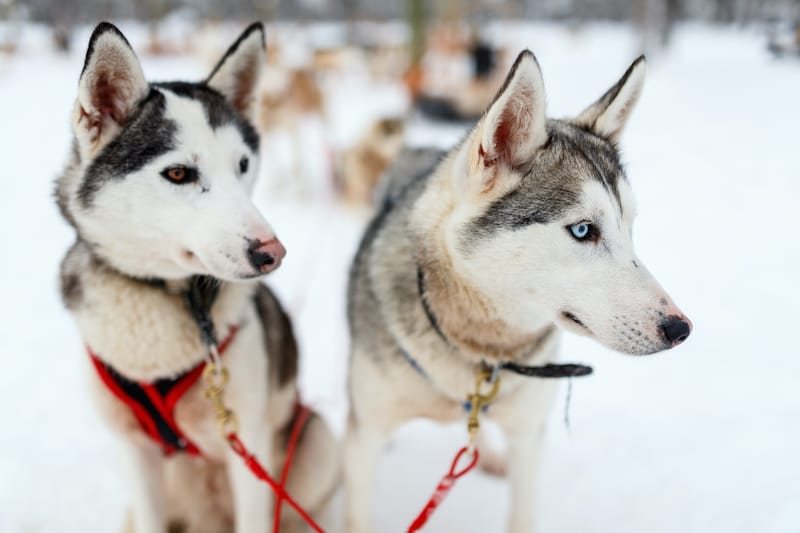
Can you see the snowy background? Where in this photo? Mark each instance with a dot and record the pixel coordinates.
(703, 438)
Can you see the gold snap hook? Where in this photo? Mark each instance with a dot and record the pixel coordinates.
(485, 376)
(478, 401)
(216, 378)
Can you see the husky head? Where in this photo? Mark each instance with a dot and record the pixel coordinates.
(542, 218)
(161, 173)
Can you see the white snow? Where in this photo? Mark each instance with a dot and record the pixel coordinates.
(704, 438)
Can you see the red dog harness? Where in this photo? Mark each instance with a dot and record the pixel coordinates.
(153, 404)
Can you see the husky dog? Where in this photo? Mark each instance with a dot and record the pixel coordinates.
(157, 189)
(521, 229)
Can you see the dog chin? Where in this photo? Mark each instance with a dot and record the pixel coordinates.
(195, 265)
(232, 276)
(627, 346)
(240, 275)
(244, 276)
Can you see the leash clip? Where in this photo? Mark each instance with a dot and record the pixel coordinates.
(477, 400)
(216, 378)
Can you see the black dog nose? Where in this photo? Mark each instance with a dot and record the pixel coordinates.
(676, 329)
(264, 256)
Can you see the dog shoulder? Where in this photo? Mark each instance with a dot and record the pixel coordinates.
(384, 263)
(401, 185)
(410, 166)
(279, 337)
(77, 267)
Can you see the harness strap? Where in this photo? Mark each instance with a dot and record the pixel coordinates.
(153, 404)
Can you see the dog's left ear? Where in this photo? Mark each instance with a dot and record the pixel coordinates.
(513, 128)
(608, 116)
(110, 88)
(514, 125)
(238, 72)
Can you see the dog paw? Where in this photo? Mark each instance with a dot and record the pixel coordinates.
(524, 527)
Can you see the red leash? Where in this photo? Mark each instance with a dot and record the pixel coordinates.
(443, 488)
(299, 423)
(216, 377)
(261, 473)
(476, 402)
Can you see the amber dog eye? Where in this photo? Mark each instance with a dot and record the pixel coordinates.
(176, 174)
(180, 174)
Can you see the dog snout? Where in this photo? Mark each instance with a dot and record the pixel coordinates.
(265, 256)
(676, 329)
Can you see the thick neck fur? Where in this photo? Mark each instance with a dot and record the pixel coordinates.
(143, 330)
(465, 315)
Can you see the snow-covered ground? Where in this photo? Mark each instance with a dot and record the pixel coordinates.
(702, 439)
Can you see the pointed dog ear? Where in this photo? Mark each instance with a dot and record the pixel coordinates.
(513, 128)
(111, 86)
(238, 72)
(608, 116)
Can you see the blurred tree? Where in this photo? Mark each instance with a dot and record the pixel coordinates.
(90, 11)
(10, 15)
(655, 20)
(265, 10)
(416, 16)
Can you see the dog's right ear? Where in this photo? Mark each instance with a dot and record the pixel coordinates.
(111, 86)
(513, 128)
(238, 72)
(607, 117)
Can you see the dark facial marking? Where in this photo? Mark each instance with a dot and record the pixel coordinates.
(601, 156)
(218, 111)
(551, 182)
(147, 135)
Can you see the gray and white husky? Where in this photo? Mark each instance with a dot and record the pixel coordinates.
(523, 228)
(158, 190)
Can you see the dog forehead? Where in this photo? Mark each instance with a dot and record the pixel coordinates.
(580, 156)
(216, 112)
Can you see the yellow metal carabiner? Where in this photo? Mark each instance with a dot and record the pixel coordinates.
(477, 400)
(216, 378)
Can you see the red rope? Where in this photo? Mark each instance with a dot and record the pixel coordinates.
(299, 423)
(278, 488)
(443, 488)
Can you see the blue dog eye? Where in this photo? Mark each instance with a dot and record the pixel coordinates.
(580, 230)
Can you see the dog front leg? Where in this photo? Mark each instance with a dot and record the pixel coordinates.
(145, 467)
(363, 448)
(252, 498)
(524, 451)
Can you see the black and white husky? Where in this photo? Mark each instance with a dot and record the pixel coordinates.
(523, 228)
(158, 190)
